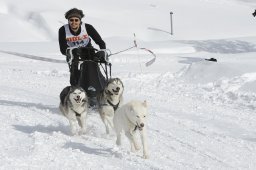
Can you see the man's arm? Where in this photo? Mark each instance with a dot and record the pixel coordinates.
(62, 40)
(95, 36)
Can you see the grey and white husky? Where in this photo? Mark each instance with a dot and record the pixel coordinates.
(74, 106)
(109, 100)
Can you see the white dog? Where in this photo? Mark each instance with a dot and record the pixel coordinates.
(109, 100)
(131, 118)
(74, 105)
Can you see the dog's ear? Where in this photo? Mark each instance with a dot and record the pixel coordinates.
(122, 83)
(145, 103)
(72, 88)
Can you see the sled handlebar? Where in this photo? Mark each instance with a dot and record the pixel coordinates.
(81, 54)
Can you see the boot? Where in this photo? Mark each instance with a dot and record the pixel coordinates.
(93, 103)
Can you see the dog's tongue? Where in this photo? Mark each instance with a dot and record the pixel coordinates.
(77, 100)
(139, 127)
(116, 92)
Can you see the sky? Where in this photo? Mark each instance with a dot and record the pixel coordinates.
(201, 113)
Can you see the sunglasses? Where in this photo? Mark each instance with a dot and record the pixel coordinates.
(73, 20)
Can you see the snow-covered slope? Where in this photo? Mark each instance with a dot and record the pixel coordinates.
(192, 19)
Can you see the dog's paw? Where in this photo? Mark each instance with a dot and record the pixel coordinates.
(146, 156)
(73, 132)
(134, 148)
(118, 142)
(82, 132)
(137, 147)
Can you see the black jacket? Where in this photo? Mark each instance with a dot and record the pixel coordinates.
(91, 32)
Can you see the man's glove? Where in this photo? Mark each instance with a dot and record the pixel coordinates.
(68, 56)
(76, 52)
(101, 56)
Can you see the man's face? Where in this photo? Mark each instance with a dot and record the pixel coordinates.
(74, 23)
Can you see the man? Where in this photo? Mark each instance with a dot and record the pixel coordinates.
(78, 35)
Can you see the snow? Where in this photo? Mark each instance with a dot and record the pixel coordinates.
(201, 113)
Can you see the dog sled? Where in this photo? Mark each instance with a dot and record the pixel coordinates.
(93, 66)
(88, 62)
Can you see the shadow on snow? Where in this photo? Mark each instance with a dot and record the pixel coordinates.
(40, 106)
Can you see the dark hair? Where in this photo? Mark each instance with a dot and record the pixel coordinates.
(74, 12)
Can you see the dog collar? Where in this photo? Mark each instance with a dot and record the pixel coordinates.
(114, 106)
(136, 127)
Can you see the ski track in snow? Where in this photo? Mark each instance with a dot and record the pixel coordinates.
(33, 57)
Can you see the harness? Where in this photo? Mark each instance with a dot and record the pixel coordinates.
(109, 102)
(136, 127)
(114, 106)
(77, 114)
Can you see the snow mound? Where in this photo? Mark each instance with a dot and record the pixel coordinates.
(204, 72)
(223, 46)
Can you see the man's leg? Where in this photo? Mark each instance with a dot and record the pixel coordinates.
(74, 74)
